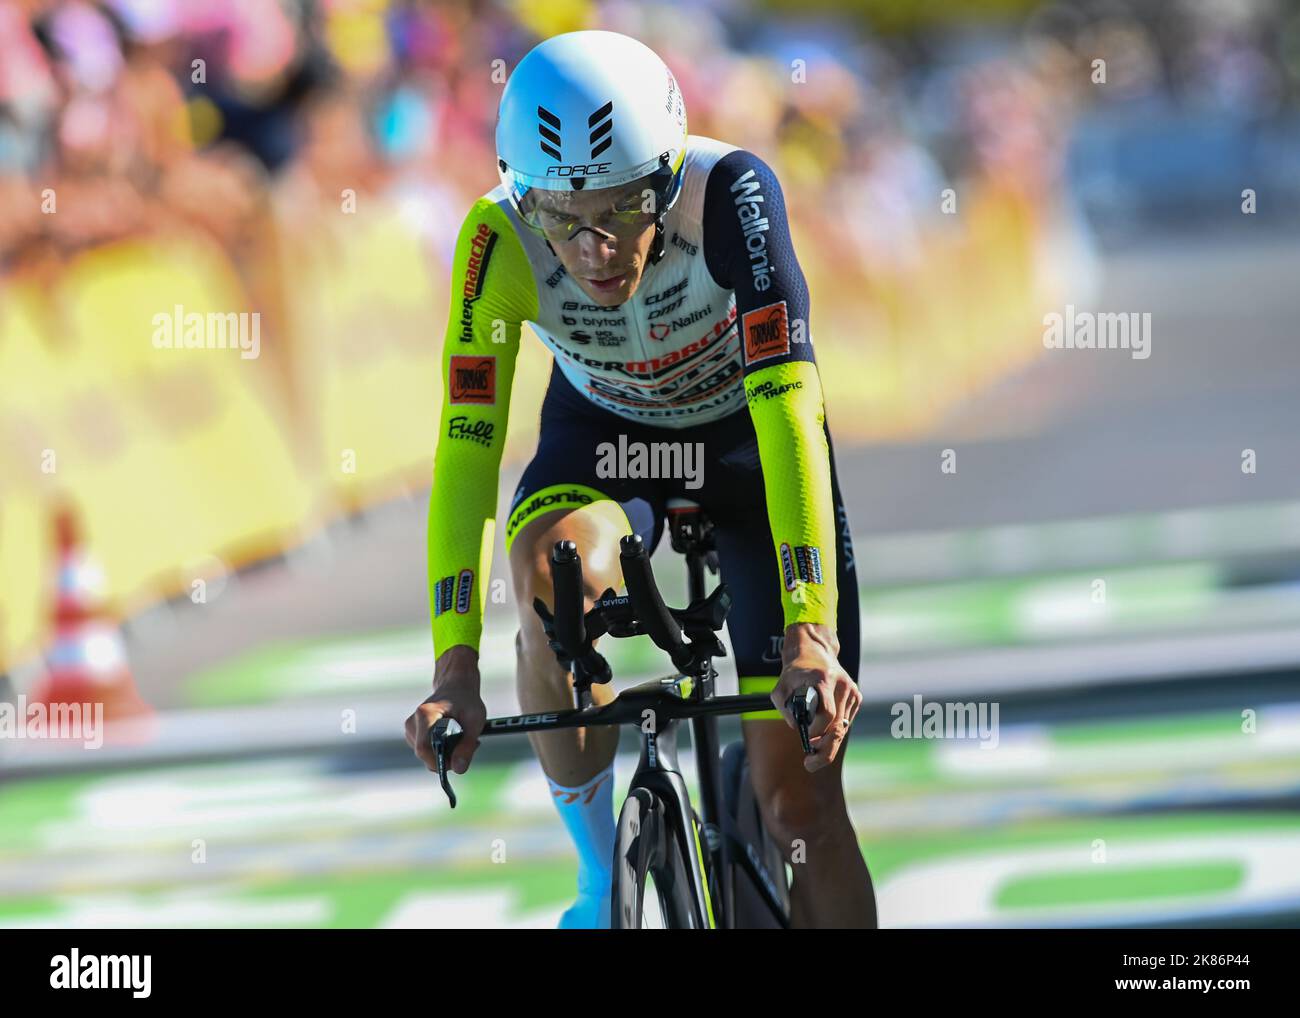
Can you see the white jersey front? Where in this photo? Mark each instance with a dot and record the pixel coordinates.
(670, 356)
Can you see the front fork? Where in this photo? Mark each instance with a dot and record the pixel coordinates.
(658, 770)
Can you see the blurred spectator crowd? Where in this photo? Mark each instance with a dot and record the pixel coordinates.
(311, 160)
(146, 115)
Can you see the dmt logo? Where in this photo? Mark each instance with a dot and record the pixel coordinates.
(767, 333)
(473, 379)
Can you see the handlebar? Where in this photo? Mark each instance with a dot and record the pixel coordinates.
(648, 604)
(642, 612)
(804, 705)
(566, 581)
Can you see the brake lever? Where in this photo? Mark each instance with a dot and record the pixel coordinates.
(444, 744)
(803, 705)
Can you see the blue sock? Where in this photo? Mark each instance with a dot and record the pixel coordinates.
(588, 814)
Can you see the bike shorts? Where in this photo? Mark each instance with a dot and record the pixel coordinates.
(563, 475)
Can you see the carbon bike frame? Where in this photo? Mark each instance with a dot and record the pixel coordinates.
(656, 707)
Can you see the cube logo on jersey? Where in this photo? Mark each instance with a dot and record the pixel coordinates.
(464, 585)
(767, 333)
(473, 379)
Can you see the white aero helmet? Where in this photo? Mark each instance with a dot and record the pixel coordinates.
(589, 110)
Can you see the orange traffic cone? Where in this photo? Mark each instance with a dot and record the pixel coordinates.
(86, 665)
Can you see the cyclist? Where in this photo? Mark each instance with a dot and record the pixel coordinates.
(658, 268)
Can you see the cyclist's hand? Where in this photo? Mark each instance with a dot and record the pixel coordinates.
(455, 695)
(809, 659)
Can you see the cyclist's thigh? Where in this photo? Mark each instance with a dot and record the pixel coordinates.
(562, 497)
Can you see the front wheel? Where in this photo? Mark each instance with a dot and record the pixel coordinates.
(651, 888)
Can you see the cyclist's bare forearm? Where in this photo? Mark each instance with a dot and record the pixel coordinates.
(798, 635)
(455, 661)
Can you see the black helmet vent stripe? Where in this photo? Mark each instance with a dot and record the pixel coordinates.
(547, 117)
(602, 123)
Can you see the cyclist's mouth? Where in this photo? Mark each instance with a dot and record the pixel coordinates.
(607, 285)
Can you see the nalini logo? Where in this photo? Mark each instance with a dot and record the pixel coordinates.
(473, 379)
(767, 333)
(75, 971)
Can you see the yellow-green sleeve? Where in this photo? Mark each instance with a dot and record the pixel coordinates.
(785, 403)
(492, 295)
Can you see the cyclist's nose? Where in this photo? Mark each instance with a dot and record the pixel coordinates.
(596, 249)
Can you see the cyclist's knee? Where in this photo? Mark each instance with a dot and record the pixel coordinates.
(596, 531)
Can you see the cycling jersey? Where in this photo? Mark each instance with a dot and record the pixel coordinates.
(720, 322)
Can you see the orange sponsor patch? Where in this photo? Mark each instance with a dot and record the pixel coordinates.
(473, 379)
(767, 333)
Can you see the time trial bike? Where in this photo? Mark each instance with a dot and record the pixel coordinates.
(716, 868)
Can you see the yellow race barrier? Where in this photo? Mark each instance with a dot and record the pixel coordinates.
(170, 456)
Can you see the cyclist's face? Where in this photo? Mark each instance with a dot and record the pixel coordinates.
(602, 238)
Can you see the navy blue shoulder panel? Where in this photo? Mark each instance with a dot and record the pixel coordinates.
(747, 248)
